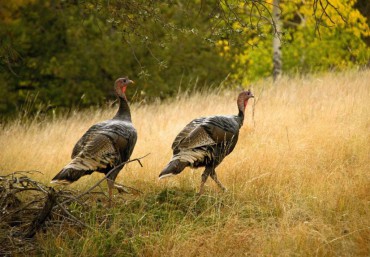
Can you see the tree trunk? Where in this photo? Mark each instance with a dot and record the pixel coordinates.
(276, 43)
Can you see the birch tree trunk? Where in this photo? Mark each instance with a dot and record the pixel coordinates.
(276, 43)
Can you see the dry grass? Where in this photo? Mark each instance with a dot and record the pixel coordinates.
(298, 179)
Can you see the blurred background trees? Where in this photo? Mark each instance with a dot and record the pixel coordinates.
(333, 38)
(60, 54)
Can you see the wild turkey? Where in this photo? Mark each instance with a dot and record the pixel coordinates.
(104, 146)
(205, 142)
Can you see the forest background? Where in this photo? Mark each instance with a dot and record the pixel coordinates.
(56, 56)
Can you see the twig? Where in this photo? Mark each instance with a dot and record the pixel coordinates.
(20, 209)
(73, 218)
(319, 18)
(131, 188)
(118, 167)
(70, 197)
(44, 214)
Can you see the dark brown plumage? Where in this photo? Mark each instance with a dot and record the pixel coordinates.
(205, 142)
(104, 146)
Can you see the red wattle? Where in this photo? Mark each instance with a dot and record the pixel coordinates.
(245, 103)
(124, 89)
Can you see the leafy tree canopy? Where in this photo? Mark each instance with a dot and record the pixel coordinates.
(67, 53)
(316, 36)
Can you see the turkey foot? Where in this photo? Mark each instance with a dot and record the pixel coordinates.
(121, 189)
(214, 177)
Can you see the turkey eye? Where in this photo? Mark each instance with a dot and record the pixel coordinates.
(124, 81)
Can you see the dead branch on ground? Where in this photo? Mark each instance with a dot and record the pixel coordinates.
(28, 207)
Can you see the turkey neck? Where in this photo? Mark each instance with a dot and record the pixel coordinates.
(123, 112)
(240, 117)
(241, 107)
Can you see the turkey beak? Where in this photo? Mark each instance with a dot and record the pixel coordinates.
(131, 81)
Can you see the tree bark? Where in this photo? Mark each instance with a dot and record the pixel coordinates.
(276, 43)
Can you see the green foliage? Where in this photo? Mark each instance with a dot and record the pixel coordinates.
(67, 54)
(336, 45)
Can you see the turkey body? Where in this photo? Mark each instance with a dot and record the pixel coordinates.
(104, 146)
(205, 142)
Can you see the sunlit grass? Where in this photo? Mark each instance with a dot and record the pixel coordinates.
(298, 179)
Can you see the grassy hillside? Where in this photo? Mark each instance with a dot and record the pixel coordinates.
(298, 178)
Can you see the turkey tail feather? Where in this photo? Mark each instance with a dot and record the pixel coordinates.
(68, 175)
(173, 168)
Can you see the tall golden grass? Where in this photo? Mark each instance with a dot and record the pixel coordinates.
(298, 179)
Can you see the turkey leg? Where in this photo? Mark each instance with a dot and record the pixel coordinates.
(205, 176)
(214, 177)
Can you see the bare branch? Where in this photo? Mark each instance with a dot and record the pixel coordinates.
(118, 167)
(23, 215)
(320, 10)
